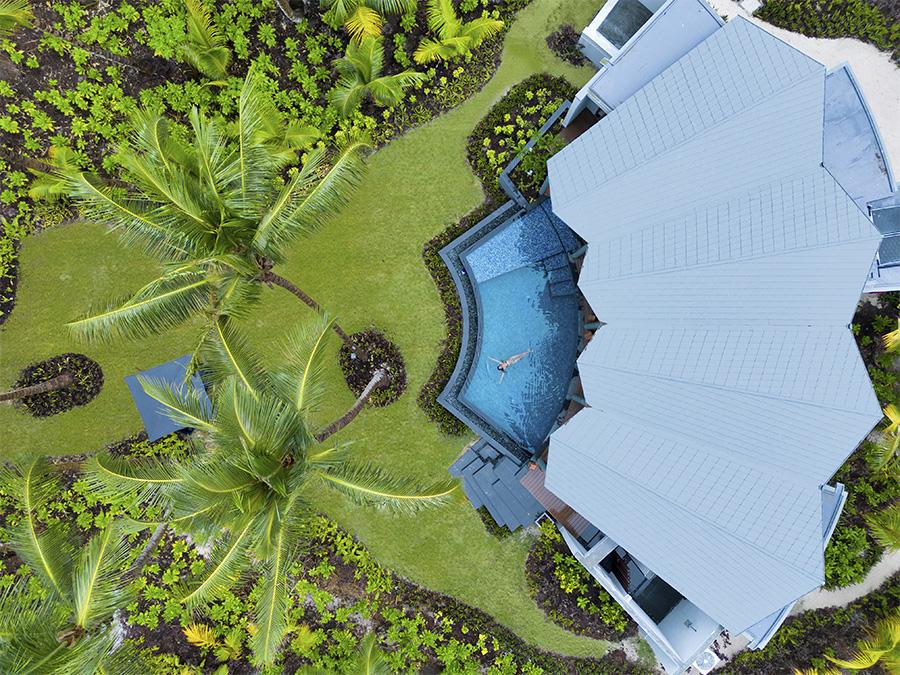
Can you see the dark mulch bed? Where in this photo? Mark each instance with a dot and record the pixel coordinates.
(803, 639)
(561, 607)
(373, 351)
(564, 43)
(88, 383)
(450, 347)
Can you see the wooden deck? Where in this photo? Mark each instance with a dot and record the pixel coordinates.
(562, 513)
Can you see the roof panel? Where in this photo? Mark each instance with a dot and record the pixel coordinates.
(726, 386)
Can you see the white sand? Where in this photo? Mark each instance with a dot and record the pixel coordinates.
(877, 75)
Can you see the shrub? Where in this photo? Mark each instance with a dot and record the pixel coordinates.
(836, 18)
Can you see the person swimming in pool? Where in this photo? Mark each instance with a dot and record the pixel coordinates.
(504, 365)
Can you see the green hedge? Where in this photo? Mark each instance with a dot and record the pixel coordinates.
(834, 19)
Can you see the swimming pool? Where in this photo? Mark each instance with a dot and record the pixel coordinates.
(520, 296)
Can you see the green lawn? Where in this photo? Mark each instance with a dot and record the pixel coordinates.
(366, 267)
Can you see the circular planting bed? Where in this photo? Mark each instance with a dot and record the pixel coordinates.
(373, 351)
(564, 43)
(567, 592)
(86, 382)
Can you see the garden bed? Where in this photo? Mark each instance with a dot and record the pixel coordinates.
(564, 43)
(451, 345)
(567, 592)
(877, 23)
(87, 381)
(509, 125)
(804, 639)
(77, 74)
(373, 352)
(339, 593)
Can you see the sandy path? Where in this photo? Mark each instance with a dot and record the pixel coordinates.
(876, 73)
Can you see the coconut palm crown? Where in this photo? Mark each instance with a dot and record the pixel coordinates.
(256, 472)
(213, 210)
(454, 37)
(70, 629)
(360, 78)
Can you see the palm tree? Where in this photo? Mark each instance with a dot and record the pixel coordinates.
(14, 14)
(64, 379)
(209, 209)
(205, 48)
(255, 471)
(892, 340)
(70, 630)
(369, 661)
(361, 78)
(455, 37)
(363, 18)
(882, 647)
(885, 526)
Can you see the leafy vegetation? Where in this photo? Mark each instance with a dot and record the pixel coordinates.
(454, 37)
(568, 593)
(807, 639)
(509, 125)
(859, 19)
(341, 603)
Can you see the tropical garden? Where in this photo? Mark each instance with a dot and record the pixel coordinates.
(262, 187)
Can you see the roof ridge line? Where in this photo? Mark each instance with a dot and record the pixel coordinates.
(708, 522)
(790, 86)
(724, 388)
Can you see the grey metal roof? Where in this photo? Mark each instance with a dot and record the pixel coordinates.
(676, 28)
(725, 388)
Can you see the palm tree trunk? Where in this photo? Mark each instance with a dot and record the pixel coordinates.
(58, 382)
(379, 379)
(149, 547)
(270, 277)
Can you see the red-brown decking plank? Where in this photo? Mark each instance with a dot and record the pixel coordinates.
(562, 513)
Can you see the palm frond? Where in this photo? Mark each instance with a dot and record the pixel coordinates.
(228, 563)
(373, 486)
(21, 610)
(892, 340)
(46, 548)
(893, 414)
(338, 11)
(52, 185)
(393, 6)
(139, 481)
(205, 48)
(389, 90)
(347, 95)
(885, 526)
(254, 161)
(364, 23)
(14, 14)
(185, 405)
(138, 222)
(262, 423)
(228, 354)
(478, 30)
(272, 603)
(370, 660)
(99, 587)
(310, 198)
(34, 651)
(302, 380)
(442, 19)
(430, 50)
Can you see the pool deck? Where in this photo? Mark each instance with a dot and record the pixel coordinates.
(492, 469)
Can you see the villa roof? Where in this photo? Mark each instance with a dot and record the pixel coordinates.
(726, 387)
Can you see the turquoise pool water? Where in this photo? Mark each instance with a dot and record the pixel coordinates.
(526, 300)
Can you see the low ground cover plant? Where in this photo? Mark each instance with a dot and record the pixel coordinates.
(568, 593)
(860, 19)
(508, 126)
(338, 595)
(56, 385)
(87, 68)
(805, 640)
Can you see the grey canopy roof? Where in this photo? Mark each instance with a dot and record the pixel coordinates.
(726, 387)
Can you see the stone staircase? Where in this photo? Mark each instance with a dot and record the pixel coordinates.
(492, 480)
